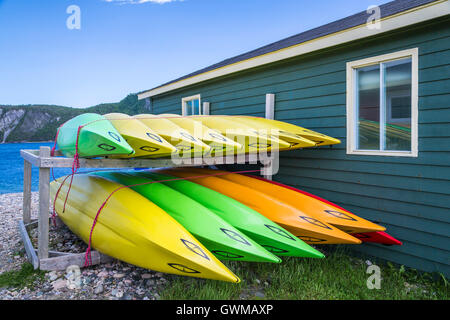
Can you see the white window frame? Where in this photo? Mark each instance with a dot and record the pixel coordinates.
(187, 99)
(352, 111)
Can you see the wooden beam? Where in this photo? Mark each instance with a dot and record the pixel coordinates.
(26, 209)
(77, 259)
(62, 162)
(44, 206)
(31, 157)
(30, 251)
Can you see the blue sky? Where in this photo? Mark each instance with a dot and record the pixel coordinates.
(127, 46)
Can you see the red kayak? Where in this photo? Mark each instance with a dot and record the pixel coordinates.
(375, 237)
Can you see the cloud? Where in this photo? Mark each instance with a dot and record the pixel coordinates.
(140, 1)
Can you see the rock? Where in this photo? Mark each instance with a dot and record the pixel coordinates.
(99, 289)
(368, 262)
(59, 284)
(259, 294)
(119, 294)
(52, 276)
(47, 289)
(102, 274)
(146, 276)
(257, 281)
(118, 275)
(150, 283)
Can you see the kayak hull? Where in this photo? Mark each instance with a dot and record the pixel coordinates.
(254, 225)
(186, 144)
(297, 222)
(219, 237)
(145, 142)
(129, 229)
(94, 136)
(321, 208)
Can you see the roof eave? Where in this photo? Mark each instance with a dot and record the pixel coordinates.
(403, 19)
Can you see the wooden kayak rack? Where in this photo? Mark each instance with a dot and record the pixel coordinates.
(45, 259)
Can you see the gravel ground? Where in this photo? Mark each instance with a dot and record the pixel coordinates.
(112, 281)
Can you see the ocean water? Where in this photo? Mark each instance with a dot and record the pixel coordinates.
(11, 167)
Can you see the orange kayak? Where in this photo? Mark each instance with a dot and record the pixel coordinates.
(304, 226)
(375, 237)
(325, 211)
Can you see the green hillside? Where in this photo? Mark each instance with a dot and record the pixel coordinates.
(40, 122)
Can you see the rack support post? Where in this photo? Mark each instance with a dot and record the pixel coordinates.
(44, 206)
(26, 209)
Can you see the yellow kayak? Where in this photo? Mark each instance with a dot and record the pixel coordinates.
(308, 228)
(186, 143)
(144, 141)
(287, 130)
(247, 136)
(295, 142)
(133, 229)
(218, 143)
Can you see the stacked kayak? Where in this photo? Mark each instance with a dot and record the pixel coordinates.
(218, 143)
(214, 233)
(176, 135)
(91, 135)
(319, 210)
(185, 221)
(133, 229)
(288, 215)
(339, 212)
(254, 225)
(145, 142)
(118, 135)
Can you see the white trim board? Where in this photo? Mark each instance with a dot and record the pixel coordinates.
(400, 20)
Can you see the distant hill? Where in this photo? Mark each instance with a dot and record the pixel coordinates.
(27, 123)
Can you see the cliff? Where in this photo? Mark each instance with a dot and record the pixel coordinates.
(40, 122)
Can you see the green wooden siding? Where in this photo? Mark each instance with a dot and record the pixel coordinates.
(410, 196)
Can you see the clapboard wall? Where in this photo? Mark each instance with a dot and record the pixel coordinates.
(410, 196)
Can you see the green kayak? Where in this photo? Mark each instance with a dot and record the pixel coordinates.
(219, 237)
(97, 137)
(257, 227)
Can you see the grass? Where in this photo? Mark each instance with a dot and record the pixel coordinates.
(25, 277)
(338, 276)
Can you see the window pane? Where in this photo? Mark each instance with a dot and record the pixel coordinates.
(196, 106)
(368, 79)
(398, 105)
(188, 108)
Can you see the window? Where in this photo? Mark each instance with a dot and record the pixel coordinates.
(191, 105)
(382, 99)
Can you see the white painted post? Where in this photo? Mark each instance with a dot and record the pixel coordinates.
(270, 106)
(26, 192)
(44, 205)
(206, 106)
(270, 114)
